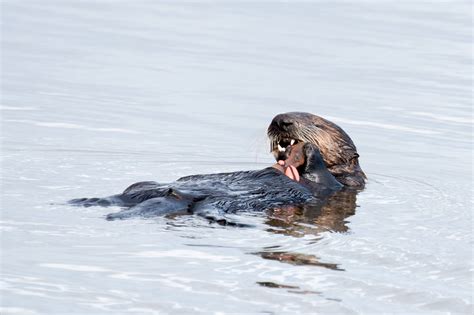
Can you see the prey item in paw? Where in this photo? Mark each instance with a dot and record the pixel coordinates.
(294, 159)
(292, 173)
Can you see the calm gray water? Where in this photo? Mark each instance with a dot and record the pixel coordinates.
(97, 95)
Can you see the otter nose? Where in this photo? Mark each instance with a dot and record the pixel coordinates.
(283, 121)
(285, 124)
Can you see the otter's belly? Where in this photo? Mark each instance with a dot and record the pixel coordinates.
(211, 193)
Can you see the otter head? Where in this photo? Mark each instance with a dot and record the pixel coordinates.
(337, 149)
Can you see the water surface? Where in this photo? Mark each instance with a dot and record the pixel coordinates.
(97, 95)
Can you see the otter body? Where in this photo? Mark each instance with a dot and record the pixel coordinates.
(213, 195)
(315, 159)
(210, 195)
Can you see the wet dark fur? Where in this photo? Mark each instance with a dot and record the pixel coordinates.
(337, 149)
(330, 158)
(214, 195)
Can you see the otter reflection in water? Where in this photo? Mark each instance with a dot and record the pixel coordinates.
(317, 163)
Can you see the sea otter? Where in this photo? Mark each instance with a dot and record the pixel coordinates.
(300, 177)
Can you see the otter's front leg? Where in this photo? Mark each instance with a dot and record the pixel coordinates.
(313, 159)
(315, 170)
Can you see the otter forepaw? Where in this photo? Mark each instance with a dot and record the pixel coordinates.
(313, 159)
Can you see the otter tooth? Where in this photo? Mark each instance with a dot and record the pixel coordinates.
(292, 141)
(281, 149)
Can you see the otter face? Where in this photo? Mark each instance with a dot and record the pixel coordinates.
(289, 129)
(336, 147)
